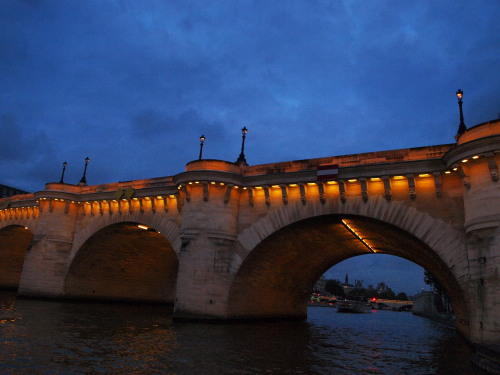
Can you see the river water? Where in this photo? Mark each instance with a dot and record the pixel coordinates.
(45, 337)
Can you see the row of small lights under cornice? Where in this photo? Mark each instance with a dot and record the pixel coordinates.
(463, 161)
(276, 186)
(16, 208)
(111, 200)
(328, 182)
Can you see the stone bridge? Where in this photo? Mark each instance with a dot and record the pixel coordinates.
(227, 241)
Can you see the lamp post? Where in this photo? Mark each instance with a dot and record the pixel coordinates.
(461, 128)
(64, 169)
(241, 158)
(202, 140)
(83, 181)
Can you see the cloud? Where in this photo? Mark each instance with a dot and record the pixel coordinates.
(12, 143)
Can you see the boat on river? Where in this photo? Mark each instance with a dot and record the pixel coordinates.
(351, 306)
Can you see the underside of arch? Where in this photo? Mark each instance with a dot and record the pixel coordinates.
(124, 262)
(14, 241)
(277, 277)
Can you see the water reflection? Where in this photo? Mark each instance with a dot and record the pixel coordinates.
(39, 337)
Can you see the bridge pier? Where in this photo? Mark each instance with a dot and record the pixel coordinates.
(209, 228)
(203, 280)
(47, 259)
(477, 159)
(483, 285)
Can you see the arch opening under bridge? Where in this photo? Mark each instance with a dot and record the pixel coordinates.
(126, 261)
(15, 240)
(277, 276)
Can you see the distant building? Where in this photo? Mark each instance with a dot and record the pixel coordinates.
(7, 191)
(423, 303)
(320, 285)
(347, 287)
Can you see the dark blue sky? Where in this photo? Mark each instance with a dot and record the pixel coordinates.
(133, 84)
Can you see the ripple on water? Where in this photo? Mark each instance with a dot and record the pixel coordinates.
(75, 338)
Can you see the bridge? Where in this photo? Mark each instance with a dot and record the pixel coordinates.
(226, 240)
(391, 304)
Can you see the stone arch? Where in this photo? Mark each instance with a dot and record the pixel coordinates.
(437, 234)
(30, 223)
(124, 261)
(435, 245)
(160, 222)
(15, 240)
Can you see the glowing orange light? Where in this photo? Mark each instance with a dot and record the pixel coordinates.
(358, 236)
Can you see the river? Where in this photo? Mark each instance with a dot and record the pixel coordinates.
(46, 337)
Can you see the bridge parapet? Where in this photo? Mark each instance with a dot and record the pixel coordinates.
(379, 157)
(484, 130)
(410, 165)
(18, 207)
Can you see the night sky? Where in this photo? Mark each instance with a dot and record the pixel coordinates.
(133, 84)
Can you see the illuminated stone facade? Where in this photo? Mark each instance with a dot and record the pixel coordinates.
(226, 241)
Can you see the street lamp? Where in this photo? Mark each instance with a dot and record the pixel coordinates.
(83, 181)
(461, 128)
(202, 140)
(64, 169)
(241, 158)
